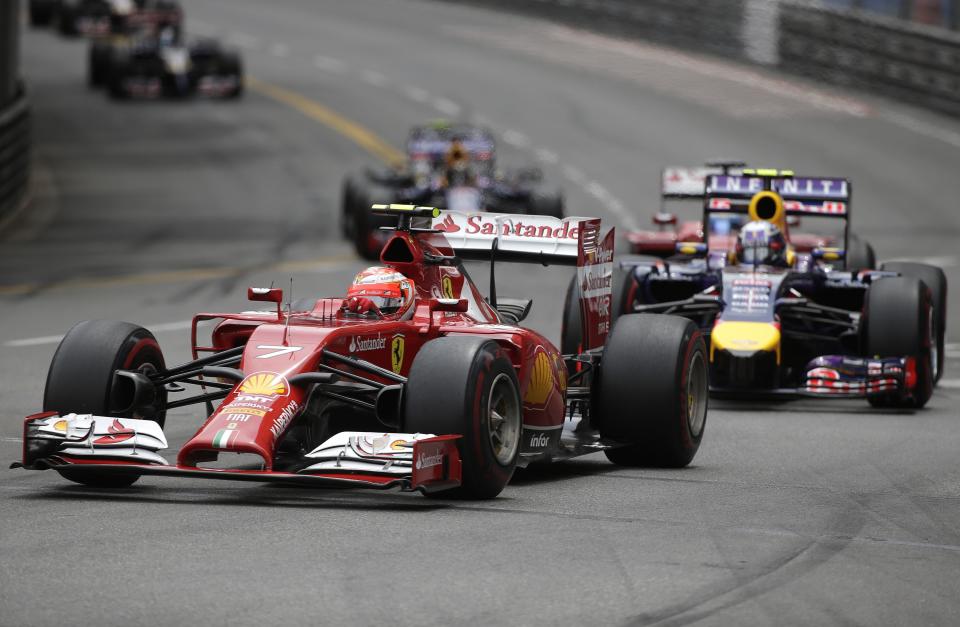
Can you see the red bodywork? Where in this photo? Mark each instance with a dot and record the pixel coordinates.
(265, 399)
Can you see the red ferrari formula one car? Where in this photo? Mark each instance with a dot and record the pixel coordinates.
(680, 184)
(412, 380)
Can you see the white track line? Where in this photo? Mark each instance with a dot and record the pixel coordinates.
(944, 261)
(53, 339)
(447, 107)
(279, 50)
(922, 128)
(329, 64)
(516, 138)
(373, 78)
(416, 94)
(244, 40)
(547, 156)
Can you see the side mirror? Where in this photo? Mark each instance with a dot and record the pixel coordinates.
(696, 249)
(664, 219)
(829, 254)
(793, 221)
(451, 304)
(265, 294)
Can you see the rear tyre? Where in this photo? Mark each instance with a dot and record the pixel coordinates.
(363, 225)
(653, 391)
(571, 333)
(546, 204)
(467, 386)
(66, 21)
(81, 380)
(96, 66)
(347, 206)
(232, 65)
(116, 83)
(900, 323)
(936, 280)
(40, 15)
(860, 255)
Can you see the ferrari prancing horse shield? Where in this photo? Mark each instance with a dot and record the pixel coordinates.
(396, 353)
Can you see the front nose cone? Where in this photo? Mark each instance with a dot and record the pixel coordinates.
(745, 354)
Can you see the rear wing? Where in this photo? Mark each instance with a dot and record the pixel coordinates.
(518, 237)
(684, 183)
(546, 240)
(804, 195)
(527, 239)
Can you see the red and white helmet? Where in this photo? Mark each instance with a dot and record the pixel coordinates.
(389, 292)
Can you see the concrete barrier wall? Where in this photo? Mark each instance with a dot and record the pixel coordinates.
(14, 113)
(914, 63)
(9, 50)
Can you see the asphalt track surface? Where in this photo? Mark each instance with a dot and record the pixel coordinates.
(792, 513)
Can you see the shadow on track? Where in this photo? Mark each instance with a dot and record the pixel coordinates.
(267, 497)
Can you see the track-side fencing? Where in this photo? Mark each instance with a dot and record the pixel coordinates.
(14, 153)
(910, 62)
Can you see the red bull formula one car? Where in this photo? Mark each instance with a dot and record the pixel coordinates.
(451, 166)
(681, 185)
(413, 380)
(785, 322)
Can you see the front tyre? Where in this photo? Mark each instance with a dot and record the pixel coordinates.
(81, 380)
(936, 280)
(653, 391)
(467, 386)
(900, 322)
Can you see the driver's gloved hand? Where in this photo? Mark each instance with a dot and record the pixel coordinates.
(361, 306)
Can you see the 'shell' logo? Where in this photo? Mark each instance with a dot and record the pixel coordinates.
(265, 384)
(117, 433)
(396, 353)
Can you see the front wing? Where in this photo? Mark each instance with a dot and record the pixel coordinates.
(838, 376)
(105, 445)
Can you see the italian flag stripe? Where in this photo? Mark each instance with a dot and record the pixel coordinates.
(222, 438)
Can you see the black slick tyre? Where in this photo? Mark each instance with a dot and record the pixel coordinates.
(936, 280)
(860, 254)
(467, 386)
(542, 204)
(347, 207)
(653, 391)
(81, 380)
(898, 323)
(41, 14)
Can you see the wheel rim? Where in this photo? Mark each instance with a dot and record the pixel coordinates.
(934, 348)
(503, 419)
(697, 395)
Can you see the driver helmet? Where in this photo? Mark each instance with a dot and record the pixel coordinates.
(457, 155)
(381, 290)
(761, 243)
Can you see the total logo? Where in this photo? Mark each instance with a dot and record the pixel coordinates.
(429, 461)
(539, 440)
(361, 345)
